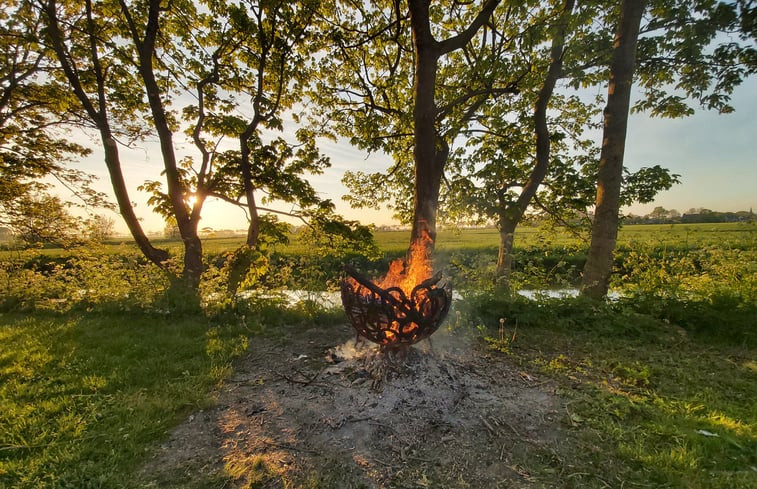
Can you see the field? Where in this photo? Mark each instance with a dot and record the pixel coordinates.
(670, 235)
(111, 378)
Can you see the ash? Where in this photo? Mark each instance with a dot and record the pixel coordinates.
(444, 413)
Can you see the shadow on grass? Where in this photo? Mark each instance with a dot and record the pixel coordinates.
(649, 399)
(82, 396)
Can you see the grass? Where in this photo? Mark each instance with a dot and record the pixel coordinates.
(394, 242)
(82, 397)
(659, 391)
(648, 404)
(673, 235)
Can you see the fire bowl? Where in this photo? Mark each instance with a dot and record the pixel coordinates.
(388, 316)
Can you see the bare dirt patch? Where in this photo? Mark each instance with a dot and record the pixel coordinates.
(311, 410)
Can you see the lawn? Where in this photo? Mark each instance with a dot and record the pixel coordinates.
(86, 398)
(99, 363)
(83, 397)
(673, 235)
(647, 403)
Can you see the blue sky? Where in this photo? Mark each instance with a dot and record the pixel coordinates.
(716, 156)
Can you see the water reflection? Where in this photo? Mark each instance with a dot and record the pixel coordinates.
(329, 299)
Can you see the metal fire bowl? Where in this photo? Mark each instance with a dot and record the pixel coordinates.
(391, 319)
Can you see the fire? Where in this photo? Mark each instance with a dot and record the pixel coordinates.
(407, 274)
(406, 306)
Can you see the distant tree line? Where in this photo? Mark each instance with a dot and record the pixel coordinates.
(45, 220)
(661, 215)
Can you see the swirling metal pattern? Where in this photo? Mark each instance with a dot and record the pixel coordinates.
(391, 319)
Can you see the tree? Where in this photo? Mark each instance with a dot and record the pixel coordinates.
(171, 229)
(99, 228)
(149, 58)
(33, 145)
(258, 52)
(604, 231)
(512, 144)
(39, 218)
(682, 54)
(659, 213)
(95, 63)
(144, 28)
(391, 59)
(430, 149)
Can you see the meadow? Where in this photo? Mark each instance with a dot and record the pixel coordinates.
(661, 235)
(100, 357)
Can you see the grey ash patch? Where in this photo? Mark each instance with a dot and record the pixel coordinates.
(449, 415)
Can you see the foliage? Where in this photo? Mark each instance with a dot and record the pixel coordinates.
(87, 280)
(193, 68)
(688, 53)
(231, 55)
(171, 229)
(328, 234)
(700, 274)
(85, 393)
(34, 147)
(372, 75)
(99, 228)
(695, 289)
(243, 268)
(38, 219)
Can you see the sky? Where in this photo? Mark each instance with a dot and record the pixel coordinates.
(716, 156)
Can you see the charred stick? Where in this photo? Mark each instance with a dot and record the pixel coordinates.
(376, 289)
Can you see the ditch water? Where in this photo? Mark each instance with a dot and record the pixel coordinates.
(330, 299)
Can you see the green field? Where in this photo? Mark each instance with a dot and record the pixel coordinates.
(676, 236)
(672, 235)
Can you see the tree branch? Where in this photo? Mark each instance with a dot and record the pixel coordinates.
(463, 38)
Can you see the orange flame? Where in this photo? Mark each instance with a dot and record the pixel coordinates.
(406, 274)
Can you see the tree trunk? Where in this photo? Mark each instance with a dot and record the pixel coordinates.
(510, 217)
(112, 162)
(253, 228)
(598, 268)
(430, 150)
(187, 226)
(429, 153)
(505, 255)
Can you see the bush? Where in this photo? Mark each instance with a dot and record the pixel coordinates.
(88, 280)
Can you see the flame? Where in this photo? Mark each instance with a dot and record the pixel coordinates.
(406, 274)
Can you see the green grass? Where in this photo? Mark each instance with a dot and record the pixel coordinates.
(673, 235)
(648, 404)
(82, 397)
(689, 236)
